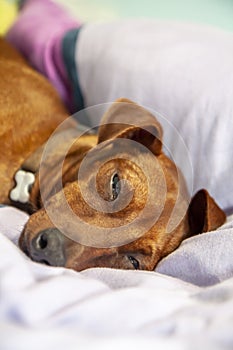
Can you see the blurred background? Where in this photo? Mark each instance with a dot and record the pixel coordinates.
(212, 12)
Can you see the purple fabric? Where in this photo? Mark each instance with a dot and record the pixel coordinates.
(37, 34)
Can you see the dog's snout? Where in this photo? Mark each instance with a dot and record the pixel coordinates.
(48, 247)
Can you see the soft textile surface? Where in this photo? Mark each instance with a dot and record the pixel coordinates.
(184, 71)
(44, 307)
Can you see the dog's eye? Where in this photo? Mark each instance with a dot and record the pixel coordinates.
(115, 186)
(134, 262)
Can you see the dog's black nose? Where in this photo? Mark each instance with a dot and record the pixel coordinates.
(48, 247)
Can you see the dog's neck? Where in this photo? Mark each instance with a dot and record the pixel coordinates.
(51, 173)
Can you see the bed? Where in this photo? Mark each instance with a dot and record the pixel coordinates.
(186, 303)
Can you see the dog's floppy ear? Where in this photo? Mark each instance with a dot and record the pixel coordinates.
(204, 214)
(126, 119)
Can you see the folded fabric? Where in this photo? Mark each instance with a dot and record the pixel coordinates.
(203, 260)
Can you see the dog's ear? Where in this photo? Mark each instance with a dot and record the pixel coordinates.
(204, 214)
(126, 119)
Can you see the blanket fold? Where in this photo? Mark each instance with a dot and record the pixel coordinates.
(186, 303)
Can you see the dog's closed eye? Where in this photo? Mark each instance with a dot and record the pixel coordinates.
(134, 262)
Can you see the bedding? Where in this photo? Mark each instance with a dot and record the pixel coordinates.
(186, 303)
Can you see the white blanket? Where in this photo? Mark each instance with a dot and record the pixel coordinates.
(186, 304)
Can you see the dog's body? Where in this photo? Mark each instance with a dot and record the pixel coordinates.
(30, 111)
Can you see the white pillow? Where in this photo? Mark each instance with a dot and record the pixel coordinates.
(183, 71)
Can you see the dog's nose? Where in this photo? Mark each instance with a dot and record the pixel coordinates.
(48, 247)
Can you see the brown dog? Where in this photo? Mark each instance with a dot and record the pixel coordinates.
(50, 237)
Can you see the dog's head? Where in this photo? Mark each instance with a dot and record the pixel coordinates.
(129, 206)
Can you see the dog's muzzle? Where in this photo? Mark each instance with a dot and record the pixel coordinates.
(48, 247)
